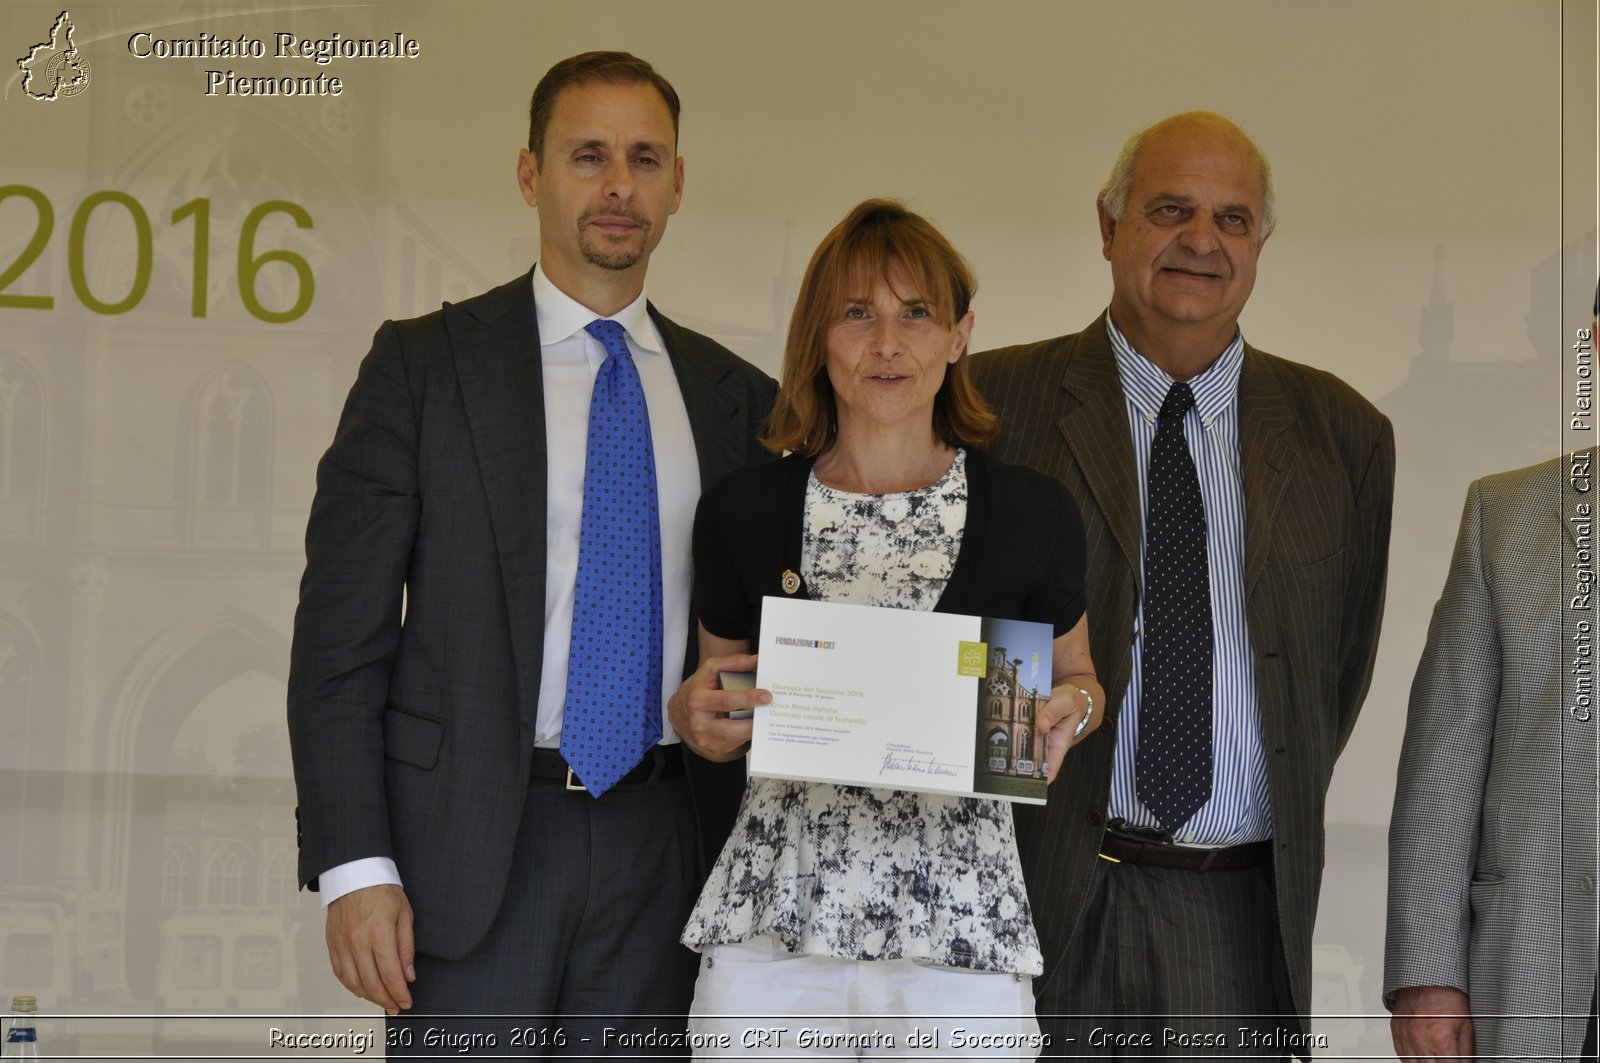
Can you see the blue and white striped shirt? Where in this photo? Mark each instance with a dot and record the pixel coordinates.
(1239, 810)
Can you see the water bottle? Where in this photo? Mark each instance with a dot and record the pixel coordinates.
(22, 1039)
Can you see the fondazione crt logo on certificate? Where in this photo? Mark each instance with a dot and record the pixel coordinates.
(54, 68)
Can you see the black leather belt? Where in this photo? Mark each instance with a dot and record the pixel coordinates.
(662, 762)
(1120, 850)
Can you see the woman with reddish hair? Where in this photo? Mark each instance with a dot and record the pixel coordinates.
(845, 905)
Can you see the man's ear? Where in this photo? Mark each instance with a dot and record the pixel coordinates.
(1108, 225)
(528, 176)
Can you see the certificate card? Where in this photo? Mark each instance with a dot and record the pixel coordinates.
(901, 700)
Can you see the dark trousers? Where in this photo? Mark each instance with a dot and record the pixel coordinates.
(1172, 963)
(583, 958)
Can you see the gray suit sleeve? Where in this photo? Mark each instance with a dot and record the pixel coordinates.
(1433, 834)
(347, 627)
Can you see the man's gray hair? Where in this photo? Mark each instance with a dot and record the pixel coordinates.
(1115, 190)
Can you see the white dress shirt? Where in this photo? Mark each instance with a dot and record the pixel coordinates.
(571, 359)
(1239, 809)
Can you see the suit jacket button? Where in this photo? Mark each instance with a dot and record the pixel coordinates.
(1096, 817)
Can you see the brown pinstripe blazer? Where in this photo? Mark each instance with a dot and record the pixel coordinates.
(1318, 474)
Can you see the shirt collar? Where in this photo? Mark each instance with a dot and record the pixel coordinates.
(559, 316)
(1146, 384)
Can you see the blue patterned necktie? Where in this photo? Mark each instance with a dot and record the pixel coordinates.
(612, 714)
(1172, 761)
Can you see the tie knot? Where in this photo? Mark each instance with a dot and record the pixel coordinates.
(611, 336)
(1178, 402)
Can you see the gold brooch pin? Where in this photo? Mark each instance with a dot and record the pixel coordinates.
(791, 582)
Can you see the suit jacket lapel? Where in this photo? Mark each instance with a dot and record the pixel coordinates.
(1096, 430)
(494, 340)
(1266, 456)
(717, 414)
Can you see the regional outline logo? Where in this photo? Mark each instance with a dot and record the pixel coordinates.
(66, 71)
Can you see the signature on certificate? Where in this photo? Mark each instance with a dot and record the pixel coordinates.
(921, 763)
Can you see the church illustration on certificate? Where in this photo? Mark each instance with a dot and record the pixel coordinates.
(1016, 685)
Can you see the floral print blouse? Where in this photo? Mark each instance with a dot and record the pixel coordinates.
(871, 874)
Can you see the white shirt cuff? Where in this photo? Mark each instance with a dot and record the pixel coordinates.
(356, 875)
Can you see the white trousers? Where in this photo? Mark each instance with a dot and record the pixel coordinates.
(756, 1000)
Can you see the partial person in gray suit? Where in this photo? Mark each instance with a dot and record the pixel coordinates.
(1491, 939)
(465, 868)
(1174, 874)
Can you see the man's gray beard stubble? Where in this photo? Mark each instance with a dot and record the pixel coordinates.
(597, 255)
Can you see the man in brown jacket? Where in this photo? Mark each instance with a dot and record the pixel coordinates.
(1236, 509)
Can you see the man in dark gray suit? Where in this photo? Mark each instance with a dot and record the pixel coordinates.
(1236, 509)
(449, 698)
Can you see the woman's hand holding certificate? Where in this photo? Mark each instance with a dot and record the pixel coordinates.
(710, 719)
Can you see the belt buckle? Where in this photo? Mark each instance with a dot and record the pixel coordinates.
(1109, 859)
(572, 787)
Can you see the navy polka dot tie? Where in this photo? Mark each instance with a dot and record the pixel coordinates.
(612, 714)
(1172, 764)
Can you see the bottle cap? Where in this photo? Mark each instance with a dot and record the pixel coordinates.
(25, 1004)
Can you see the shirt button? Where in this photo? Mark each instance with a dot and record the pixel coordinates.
(1587, 882)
